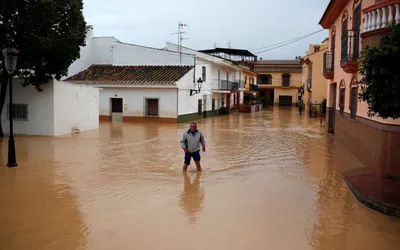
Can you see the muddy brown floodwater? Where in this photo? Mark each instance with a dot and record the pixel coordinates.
(271, 180)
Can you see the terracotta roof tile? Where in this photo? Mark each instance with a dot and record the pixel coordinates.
(144, 74)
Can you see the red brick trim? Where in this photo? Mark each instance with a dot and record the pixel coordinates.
(355, 2)
(342, 84)
(377, 125)
(380, 5)
(345, 15)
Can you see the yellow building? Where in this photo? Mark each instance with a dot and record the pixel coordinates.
(250, 80)
(315, 87)
(279, 80)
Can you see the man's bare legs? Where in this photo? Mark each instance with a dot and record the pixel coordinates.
(198, 166)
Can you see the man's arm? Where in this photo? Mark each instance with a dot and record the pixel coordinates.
(183, 141)
(202, 141)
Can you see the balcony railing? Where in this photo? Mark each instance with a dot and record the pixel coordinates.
(381, 15)
(309, 84)
(225, 85)
(350, 51)
(328, 67)
(253, 87)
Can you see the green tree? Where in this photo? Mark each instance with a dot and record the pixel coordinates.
(48, 34)
(380, 70)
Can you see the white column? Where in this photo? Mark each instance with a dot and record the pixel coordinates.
(384, 18)
(397, 17)
(378, 19)
(390, 18)
(373, 26)
(367, 21)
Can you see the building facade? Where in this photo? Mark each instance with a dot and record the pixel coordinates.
(353, 24)
(280, 80)
(224, 76)
(315, 87)
(59, 109)
(109, 51)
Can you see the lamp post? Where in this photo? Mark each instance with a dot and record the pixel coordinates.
(199, 85)
(10, 61)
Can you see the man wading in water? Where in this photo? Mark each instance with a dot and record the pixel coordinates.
(190, 144)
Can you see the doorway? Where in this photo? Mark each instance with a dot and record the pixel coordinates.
(332, 113)
(151, 107)
(205, 106)
(116, 110)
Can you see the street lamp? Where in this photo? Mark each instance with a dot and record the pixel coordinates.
(10, 61)
(199, 85)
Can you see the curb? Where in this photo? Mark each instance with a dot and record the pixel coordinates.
(390, 211)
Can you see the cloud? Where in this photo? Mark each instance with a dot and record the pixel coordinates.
(246, 24)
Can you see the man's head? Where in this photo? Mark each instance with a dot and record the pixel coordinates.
(193, 126)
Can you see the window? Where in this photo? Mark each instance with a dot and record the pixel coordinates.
(356, 28)
(151, 108)
(353, 102)
(19, 112)
(266, 79)
(199, 106)
(341, 100)
(333, 48)
(203, 73)
(245, 80)
(213, 104)
(345, 38)
(285, 80)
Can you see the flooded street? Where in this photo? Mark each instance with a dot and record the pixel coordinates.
(271, 180)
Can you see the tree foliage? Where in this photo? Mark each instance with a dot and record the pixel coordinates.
(380, 70)
(48, 34)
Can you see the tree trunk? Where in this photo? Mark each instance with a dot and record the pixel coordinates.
(3, 92)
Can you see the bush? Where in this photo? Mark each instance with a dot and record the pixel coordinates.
(380, 70)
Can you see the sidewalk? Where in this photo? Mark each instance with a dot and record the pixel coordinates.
(382, 195)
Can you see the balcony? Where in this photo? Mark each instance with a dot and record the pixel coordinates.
(378, 18)
(328, 69)
(253, 87)
(228, 85)
(350, 51)
(309, 84)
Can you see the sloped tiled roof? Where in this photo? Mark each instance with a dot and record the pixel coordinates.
(144, 74)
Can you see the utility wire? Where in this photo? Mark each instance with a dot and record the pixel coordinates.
(272, 45)
(281, 44)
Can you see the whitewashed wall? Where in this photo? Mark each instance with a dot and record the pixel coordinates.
(189, 104)
(75, 106)
(109, 50)
(86, 58)
(128, 54)
(40, 110)
(134, 99)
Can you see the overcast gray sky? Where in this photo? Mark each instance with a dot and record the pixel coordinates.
(247, 24)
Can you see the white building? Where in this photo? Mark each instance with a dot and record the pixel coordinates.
(147, 92)
(109, 50)
(224, 78)
(175, 102)
(59, 109)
